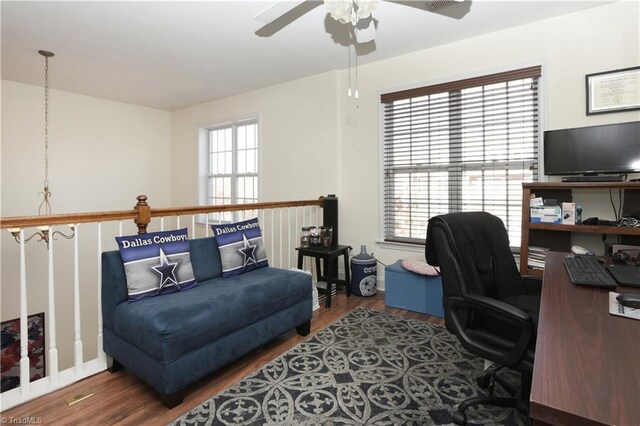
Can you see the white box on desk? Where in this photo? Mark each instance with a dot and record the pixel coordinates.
(538, 201)
(546, 214)
(568, 213)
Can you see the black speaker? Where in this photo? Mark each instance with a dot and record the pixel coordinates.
(330, 217)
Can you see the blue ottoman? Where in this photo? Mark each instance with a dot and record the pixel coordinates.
(406, 290)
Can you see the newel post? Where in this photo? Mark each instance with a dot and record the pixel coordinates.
(144, 214)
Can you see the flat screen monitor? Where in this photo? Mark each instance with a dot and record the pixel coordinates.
(611, 148)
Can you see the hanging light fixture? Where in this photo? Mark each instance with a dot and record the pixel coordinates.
(44, 208)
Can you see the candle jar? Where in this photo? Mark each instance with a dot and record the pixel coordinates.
(305, 237)
(314, 236)
(326, 233)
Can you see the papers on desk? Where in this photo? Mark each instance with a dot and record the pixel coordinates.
(537, 257)
(615, 308)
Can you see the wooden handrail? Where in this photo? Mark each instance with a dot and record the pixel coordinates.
(64, 219)
(142, 213)
(177, 211)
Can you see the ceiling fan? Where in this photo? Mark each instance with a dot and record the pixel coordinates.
(356, 13)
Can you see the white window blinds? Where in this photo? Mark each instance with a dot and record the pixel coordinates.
(460, 146)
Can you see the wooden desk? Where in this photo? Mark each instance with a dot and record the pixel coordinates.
(587, 364)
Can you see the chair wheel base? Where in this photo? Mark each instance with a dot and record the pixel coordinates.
(459, 418)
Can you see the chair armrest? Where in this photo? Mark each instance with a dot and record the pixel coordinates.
(498, 308)
(508, 354)
(532, 284)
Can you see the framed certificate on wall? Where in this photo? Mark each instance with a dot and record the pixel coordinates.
(613, 91)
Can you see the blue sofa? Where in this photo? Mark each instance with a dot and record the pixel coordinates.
(173, 340)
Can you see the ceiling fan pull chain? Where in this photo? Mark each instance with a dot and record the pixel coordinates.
(349, 59)
(355, 52)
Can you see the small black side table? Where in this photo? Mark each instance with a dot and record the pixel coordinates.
(330, 257)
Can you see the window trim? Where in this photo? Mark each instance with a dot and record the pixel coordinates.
(442, 82)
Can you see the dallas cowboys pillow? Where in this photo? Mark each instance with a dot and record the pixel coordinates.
(241, 247)
(156, 263)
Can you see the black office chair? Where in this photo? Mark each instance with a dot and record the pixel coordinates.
(486, 303)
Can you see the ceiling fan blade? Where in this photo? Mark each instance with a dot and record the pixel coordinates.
(452, 8)
(276, 10)
(289, 16)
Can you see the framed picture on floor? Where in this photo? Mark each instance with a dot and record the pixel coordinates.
(10, 350)
(613, 91)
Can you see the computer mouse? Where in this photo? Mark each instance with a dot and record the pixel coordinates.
(590, 221)
(581, 250)
(629, 300)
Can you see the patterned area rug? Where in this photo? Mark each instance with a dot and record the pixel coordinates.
(368, 367)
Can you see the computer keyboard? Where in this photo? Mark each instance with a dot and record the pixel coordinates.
(586, 270)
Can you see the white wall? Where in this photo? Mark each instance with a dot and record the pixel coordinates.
(298, 139)
(102, 154)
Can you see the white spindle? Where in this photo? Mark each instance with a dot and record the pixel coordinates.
(280, 239)
(51, 319)
(271, 233)
(297, 232)
(162, 223)
(193, 226)
(305, 260)
(315, 211)
(76, 305)
(24, 335)
(206, 225)
(120, 229)
(289, 237)
(101, 355)
(177, 222)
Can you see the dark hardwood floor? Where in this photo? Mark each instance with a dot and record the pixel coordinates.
(121, 398)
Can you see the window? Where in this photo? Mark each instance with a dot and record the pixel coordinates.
(232, 164)
(459, 146)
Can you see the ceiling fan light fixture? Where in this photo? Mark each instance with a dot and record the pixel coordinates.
(366, 7)
(350, 11)
(340, 10)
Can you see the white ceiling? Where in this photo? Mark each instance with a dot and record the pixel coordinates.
(169, 55)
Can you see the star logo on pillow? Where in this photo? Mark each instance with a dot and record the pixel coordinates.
(167, 272)
(249, 252)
